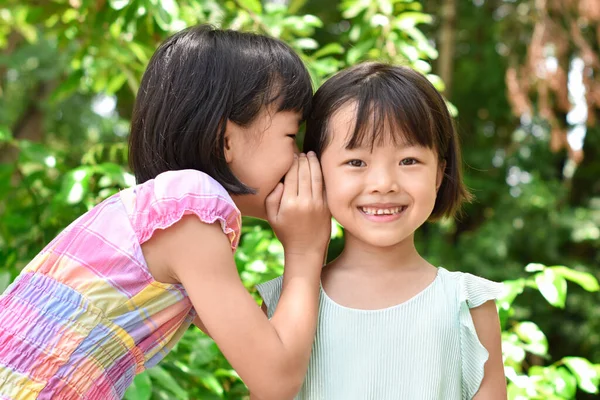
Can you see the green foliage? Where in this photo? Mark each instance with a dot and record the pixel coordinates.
(523, 339)
(69, 71)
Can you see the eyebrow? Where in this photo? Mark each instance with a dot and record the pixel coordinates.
(401, 145)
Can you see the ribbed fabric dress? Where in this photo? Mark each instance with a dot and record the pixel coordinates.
(423, 349)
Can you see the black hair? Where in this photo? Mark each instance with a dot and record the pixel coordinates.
(395, 102)
(196, 81)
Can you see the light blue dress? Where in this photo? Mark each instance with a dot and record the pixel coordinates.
(423, 349)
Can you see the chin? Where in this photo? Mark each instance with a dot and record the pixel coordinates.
(384, 241)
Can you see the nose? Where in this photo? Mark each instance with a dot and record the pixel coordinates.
(382, 180)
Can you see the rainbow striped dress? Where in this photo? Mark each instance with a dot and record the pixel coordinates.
(85, 316)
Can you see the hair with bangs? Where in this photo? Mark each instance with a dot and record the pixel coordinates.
(392, 103)
(197, 80)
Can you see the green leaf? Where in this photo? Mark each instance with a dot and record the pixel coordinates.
(76, 185)
(228, 373)
(535, 267)
(306, 44)
(251, 5)
(171, 8)
(114, 172)
(512, 348)
(533, 337)
(337, 231)
(295, 5)
(118, 4)
(204, 351)
(6, 172)
(140, 52)
(67, 87)
(379, 20)
(210, 381)
(329, 49)
(512, 289)
(583, 279)
(165, 12)
(565, 383)
(584, 371)
(33, 152)
(115, 83)
(552, 286)
(352, 8)
(452, 109)
(434, 79)
(141, 389)
(408, 20)
(385, 6)
(163, 379)
(5, 134)
(357, 52)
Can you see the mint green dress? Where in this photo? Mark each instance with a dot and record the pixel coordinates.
(423, 349)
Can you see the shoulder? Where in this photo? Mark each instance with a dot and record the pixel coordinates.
(163, 201)
(470, 289)
(195, 188)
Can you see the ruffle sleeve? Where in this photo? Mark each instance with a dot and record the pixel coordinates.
(473, 292)
(163, 201)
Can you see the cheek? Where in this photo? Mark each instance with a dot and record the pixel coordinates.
(341, 192)
(425, 194)
(279, 160)
(285, 162)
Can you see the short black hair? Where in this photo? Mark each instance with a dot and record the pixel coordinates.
(403, 101)
(196, 81)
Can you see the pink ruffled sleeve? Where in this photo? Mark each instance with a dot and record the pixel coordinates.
(161, 202)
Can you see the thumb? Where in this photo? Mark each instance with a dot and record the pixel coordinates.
(273, 201)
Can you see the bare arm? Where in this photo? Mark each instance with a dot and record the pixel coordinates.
(487, 325)
(264, 309)
(271, 356)
(255, 347)
(200, 325)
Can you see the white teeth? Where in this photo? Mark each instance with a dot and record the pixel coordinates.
(381, 211)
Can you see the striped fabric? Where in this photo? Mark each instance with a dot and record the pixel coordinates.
(85, 315)
(423, 349)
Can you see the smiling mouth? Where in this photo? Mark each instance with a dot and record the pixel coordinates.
(377, 211)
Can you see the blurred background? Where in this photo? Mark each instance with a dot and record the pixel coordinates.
(522, 78)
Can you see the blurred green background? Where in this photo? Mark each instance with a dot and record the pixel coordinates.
(522, 78)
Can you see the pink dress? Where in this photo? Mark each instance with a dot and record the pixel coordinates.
(85, 316)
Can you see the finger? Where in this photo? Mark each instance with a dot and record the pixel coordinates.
(290, 183)
(273, 201)
(316, 176)
(304, 178)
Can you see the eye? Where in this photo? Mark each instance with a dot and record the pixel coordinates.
(356, 163)
(293, 136)
(409, 161)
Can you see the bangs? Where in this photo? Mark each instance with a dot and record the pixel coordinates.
(385, 114)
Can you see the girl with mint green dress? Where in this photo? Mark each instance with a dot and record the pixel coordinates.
(391, 325)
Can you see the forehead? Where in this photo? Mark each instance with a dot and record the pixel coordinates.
(346, 130)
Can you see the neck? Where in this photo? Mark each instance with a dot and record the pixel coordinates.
(366, 257)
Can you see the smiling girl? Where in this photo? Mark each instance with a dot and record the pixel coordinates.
(391, 325)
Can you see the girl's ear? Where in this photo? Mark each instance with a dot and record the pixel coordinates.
(232, 134)
(440, 175)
